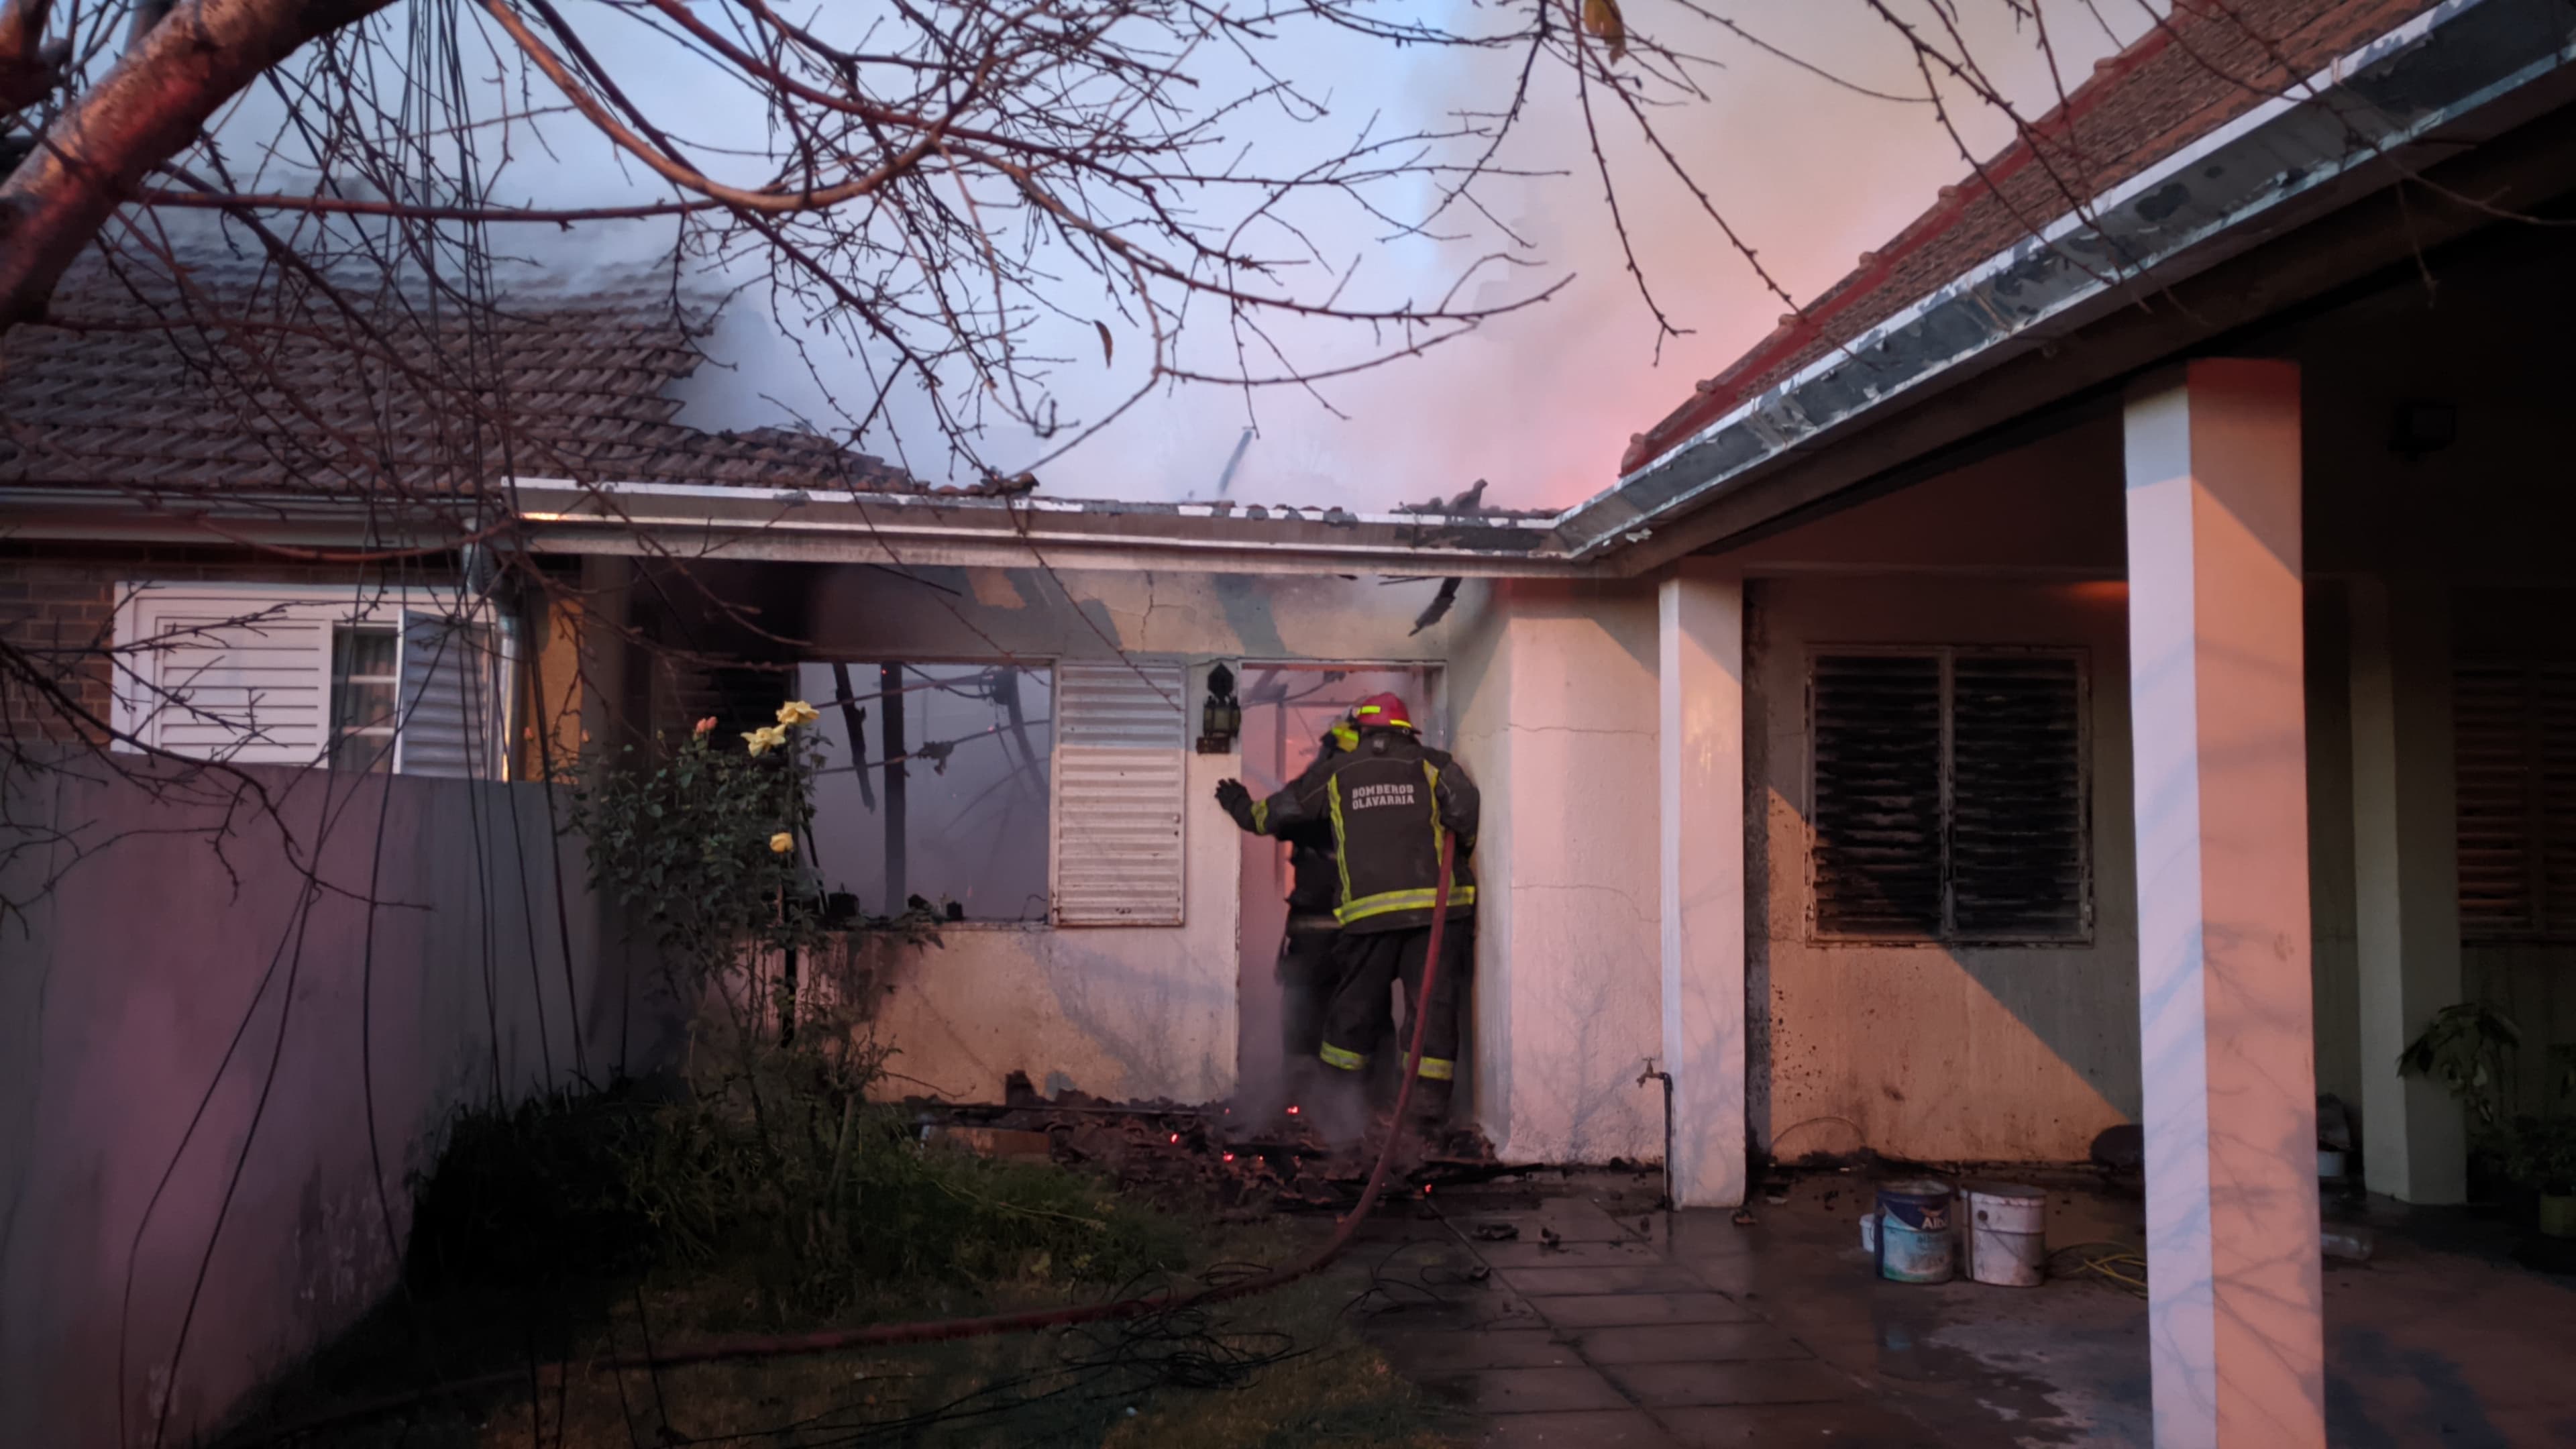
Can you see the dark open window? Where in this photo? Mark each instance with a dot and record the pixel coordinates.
(947, 796)
(2515, 727)
(1949, 797)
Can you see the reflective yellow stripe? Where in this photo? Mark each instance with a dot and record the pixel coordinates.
(1431, 774)
(1336, 1057)
(1261, 817)
(1346, 737)
(1414, 900)
(1341, 843)
(1438, 1069)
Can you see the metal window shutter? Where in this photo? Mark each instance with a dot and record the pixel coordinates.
(450, 710)
(1121, 774)
(2018, 846)
(1876, 795)
(2491, 718)
(230, 686)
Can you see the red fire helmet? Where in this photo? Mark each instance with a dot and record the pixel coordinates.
(1383, 711)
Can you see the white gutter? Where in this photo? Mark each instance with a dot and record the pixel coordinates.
(718, 521)
(2187, 213)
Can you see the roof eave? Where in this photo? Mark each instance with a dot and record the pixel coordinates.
(665, 519)
(2275, 166)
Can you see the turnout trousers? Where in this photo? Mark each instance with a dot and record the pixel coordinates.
(1358, 1023)
(1306, 977)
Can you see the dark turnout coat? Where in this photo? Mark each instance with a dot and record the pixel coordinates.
(1389, 801)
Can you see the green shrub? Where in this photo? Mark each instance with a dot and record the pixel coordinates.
(538, 1195)
(814, 1199)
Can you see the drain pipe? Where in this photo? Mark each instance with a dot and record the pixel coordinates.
(1649, 1075)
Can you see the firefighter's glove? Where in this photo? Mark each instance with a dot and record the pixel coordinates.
(1237, 802)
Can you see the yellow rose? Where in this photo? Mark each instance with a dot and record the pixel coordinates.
(768, 737)
(797, 712)
(781, 843)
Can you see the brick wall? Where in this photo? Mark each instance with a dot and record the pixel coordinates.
(57, 619)
(56, 624)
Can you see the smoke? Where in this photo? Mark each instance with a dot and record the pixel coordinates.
(1541, 403)
(1806, 169)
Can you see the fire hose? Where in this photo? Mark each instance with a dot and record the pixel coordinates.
(886, 1335)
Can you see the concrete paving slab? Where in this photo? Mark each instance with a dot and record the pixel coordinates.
(1684, 1385)
(1595, 1278)
(1437, 1354)
(1625, 1253)
(1624, 1310)
(1528, 1390)
(1592, 1429)
(1688, 1343)
(1777, 1426)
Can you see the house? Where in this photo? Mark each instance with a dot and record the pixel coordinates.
(2106, 660)
(244, 1003)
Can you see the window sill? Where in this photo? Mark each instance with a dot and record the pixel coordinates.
(1917, 943)
(979, 926)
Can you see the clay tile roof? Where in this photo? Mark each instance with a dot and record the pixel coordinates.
(236, 384)
(2213, 61)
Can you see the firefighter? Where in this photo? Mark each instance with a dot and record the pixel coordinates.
(1390, 801)
(1305, 969)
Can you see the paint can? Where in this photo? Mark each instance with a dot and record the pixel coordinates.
(1917, 1241)
(2007, 1234)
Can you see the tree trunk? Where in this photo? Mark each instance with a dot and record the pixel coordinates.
(150, 107)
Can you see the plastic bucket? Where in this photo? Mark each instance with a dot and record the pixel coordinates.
(1917, 1240)
(2007, 1234)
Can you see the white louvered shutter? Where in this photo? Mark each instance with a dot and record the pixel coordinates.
(247, 683)
(1121, 774)
(451, 695)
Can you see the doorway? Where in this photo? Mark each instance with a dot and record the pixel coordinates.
(1286, 710)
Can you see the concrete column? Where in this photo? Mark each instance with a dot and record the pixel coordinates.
(1700, 741)
(2406, 881)
(2216, 671)
(1553, 689)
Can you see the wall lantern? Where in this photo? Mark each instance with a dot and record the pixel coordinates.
(1221, 718)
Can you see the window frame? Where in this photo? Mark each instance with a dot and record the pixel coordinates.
(338, 733)
(140, 603)
(1947, 935)
(829, 707)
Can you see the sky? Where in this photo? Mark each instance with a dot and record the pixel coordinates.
(1538, 404)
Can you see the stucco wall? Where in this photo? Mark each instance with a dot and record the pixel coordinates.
(155, 978)
(1932, 1052)
(978, 613)
(1554, 695)
(1121, 1012)
(1138, 1012)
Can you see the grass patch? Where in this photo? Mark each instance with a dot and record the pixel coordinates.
(576, 1228)
(1281, 1371)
